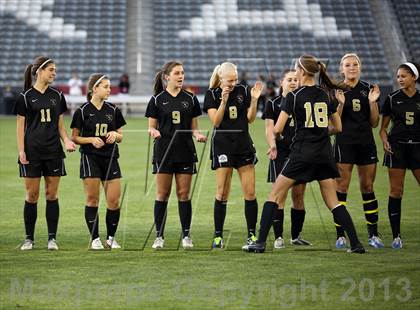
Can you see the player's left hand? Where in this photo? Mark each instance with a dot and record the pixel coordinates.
(257, 90)
(200, 137)
(272, 152)
(374, 93)
(70, 145)
(339, 95)
(111, 137)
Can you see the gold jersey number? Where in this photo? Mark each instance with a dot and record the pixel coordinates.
(356, 105)
(45, 115)
(176, 117)
(101, 130)
(233, 112)
(319, 114)
(409, 118)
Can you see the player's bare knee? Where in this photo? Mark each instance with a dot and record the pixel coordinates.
(183, 195)
(396, 192)
(113, 204)
(32, 197)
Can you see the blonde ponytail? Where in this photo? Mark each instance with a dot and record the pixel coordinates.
(218, 71)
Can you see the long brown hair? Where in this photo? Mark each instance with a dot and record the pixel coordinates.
(158, 83)
(311, 65)
(32, 69)
(93, 79)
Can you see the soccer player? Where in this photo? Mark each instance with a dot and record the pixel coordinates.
(39, 127)
(311, 155)
(402, 142)
(231, 107)
(173, 120)
(97, 128)
(355, 145)
(278, 152)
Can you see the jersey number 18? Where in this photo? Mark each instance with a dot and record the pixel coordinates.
(319, 114)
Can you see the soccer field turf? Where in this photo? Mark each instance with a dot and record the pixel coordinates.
(137, 277)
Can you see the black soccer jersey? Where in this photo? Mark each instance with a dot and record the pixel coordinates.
(272, 111)
(405, 115)
(235, 120)
(41, 112)
(311, 108)
(92, 122)
(174, 116)
(355, 116)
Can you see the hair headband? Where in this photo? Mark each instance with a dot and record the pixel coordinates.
(98, 81)
(43, 64)
(413, 68)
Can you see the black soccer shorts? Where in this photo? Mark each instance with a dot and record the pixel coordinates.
(404, 156)
(233, 161)
(95, 166)
(358, 154)
(174, 168)
(46, 168)
(275, 166)
(304, 172)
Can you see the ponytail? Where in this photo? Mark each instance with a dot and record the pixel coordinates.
(158, 83)
(215, 78)
(27, 77)
(326, 82)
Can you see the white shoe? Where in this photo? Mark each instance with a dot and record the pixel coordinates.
(97, 244)
(279, 243)
(187, 243)
(158, 244)
(28, 244)
(112, 243)
(52, 245)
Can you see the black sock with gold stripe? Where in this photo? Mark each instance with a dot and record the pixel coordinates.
(370, 206)
(342, 197)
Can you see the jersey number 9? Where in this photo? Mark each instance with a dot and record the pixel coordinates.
(320, 115)
(101, 130)
(176, 117)
(233, 112)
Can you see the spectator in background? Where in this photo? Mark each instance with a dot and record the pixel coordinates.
(124, 84)
(75, 85)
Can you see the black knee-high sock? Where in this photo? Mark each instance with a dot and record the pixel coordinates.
(266, 220)
(297, 219)
(251, 215)
(278, 219)
(92, 221)
(112, 218)
(344, 219)
(160, 217)
(185, 212)
(394, 214)
(370, 206)
(52, 213)
(342, 200)
(219, 217)
(30, 211)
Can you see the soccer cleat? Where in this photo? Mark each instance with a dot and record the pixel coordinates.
(341, 243)
(217, 243)
(254, 248)
(279, 243)
(299, 241)
(97, 244)
(397, 243)
(52, 245)
(375, 242)
(251, 240)
(28, 244)
(187, 243)
(159, 243)
(112, 243)
(358, 248)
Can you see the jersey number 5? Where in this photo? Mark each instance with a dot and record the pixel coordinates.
(101, 130)
(45, 115)
(409, 118)
(320, 115)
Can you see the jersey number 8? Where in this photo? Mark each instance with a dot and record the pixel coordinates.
(233, 112)
(320, 115)
(101, 130)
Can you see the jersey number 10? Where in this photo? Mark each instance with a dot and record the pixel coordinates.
(101, 130)
(319, 112)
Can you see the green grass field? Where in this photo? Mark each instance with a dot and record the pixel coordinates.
(138, 277)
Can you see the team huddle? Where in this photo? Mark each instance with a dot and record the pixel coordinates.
(298, 123)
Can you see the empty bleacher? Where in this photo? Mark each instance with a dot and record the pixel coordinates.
(85, 36)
